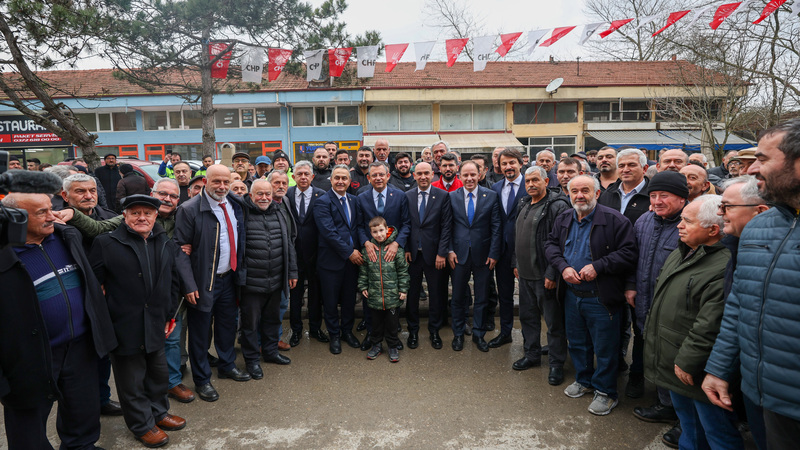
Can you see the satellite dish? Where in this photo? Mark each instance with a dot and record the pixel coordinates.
(554, 85)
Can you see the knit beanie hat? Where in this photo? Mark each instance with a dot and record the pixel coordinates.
(669, 181)
(125, 169)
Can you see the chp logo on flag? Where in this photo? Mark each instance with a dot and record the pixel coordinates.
(278, 58)
(337, 59)
(393, 54)
(219, 68)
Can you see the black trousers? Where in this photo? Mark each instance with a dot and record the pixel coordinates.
(261, 321)
(536, 302)
(142, 381)
(384, 325)
(504, 274)
(437, 305)
(304, 275)
(339, 289)
(223, 312)
(78, 421)
(783, 433)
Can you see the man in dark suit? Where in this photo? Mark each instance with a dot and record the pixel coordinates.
(386, 201)
(302, 198)
(337, 213)
(428, 242)
(509, 190)
(474, 250)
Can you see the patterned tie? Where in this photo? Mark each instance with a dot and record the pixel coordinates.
(231, 236)
(470, 209)
(346, 210)
(422, 206)
(380, 204)
(510, 201)
(302, 213)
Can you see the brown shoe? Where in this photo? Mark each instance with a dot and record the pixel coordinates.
(153, 438)
(171, 423)
(181, 393)
(283, 346)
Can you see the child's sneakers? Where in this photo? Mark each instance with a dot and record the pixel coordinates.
(375, 351)
(394, 355)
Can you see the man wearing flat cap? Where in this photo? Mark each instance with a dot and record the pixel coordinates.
(240, 161)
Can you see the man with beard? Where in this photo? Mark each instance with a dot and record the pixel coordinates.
(109, 177)
(483, 167)
(183, 175)
(607, 166)
(448, 167)
(359, 175)
(331, 147)
(322, 171)
(546, 159)
(760, 323)
(401, 177)
(672, 159)
(593, 248)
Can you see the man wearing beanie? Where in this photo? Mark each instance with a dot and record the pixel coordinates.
(131, 183)
(656, 234)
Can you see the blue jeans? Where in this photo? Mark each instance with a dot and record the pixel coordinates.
(284, 308)
(172, 349)
(704, 425)
(593, 331)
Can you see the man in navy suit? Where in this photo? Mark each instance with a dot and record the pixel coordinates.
(337, 214)
(380, 199)
(302, 198)
(509, 190)
(431, 221)
(474, 250)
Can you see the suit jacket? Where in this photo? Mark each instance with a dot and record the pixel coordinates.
(433, 233)
(508, 221)
(395, 212)
(307, 232)
(482, 238)
(338, 239)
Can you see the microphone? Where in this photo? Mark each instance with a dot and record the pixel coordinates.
(28, 182)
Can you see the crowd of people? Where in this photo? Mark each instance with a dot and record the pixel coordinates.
(695, 266)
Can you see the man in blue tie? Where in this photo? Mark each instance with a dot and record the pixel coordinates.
(474, 250)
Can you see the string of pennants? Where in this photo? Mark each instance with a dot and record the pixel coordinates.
(253, 59)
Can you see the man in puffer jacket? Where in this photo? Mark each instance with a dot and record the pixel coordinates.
(385, 286)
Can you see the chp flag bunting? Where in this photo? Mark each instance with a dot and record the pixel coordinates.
(337, 59)
(313, 64)
(252, 65)
(771, 8)
(615, 25)
(697, 16)
(722, 13)
(673, 17)
(219, 68)
(366, 57)
(534, 37)
(645, 20)
(278, 58)
(422, 51)
(454, 48)
(507, 41)
(589, 30)
(393, 54)
(558, 33)
(482, 52)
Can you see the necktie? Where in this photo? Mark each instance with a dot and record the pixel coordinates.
(447, 187)
(422, 206)
(231, 236)
(511, 198)
(302, 213)
(470, 209)
(380, 203)
(346, 212)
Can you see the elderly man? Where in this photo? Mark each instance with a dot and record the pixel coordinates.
(593, 248)
(183, 175)
(629, 194)
(212, 224)
(722, 170)
(109, 177)
(745, 158)
(14, 163)
(758, 328)
(383, 152)
(496, 174)
(684, 322)
(538, 211)
(80, 192)
(263, 166)
(567, 169)
(196, 185)
(672, 159)
(607, 167)
(142, 310)
(438, 149)
(240, 163)
(546, 159)
(322, 171)
(696, 180)
(279, 182)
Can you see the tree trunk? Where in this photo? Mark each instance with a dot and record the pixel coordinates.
(207, 98)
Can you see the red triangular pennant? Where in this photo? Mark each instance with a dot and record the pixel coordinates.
(454, 48)
(769, 9)
(673, 17)
(558, 33)
(722, 13)
(337, 59)
(615, 25)
(220, 68)
(278, 58)
(393, 54)
(508, 41)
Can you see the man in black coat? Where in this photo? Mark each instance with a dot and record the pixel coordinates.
(131, 183)
(109, 177)
(54, 324)
(142, 310)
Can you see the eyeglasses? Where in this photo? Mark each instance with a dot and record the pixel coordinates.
(167, 194)
(724, 206)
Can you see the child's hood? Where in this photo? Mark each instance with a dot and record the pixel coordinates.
(391, 236)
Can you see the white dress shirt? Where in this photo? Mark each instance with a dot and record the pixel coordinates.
(224, 242)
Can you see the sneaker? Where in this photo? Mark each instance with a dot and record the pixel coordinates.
(602, 404)
(374, 352)
(394, 355)
(576, 390)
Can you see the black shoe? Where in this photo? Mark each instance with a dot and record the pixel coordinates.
(635, 386)
(671, 437)
(213, 361)
(545, 350)
(500, 340)
(336, 345)
(482, 345)
(623, 366)
(468, 329)
(524, 363)
(294, 341)
(319, 335)
(254, 369)
(656, 413)
(413, 340)
(458, 343)
(277, 358)
(366, 344)
(207, 392)
(234, 374)
(361, 325)
(489, 325)
(351, 340)
(436, 340)
(556, 376)
(111, 408)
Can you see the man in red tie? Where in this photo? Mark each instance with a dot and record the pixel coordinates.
(212, 225)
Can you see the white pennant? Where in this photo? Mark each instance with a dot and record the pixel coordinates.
(697, 16)
(795, 8)
(482, 51)
(589, 30)
(366, 57)
(422, 51)
(253, 64)
(313, 64)
(534, 38)
(647, 20)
